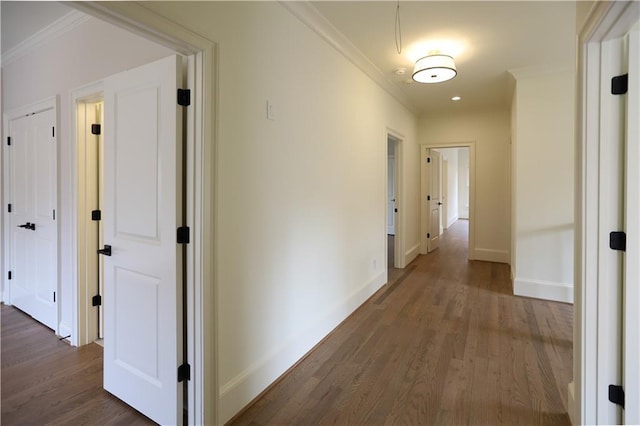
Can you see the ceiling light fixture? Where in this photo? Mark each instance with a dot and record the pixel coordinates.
(434, 68)
(456, 98)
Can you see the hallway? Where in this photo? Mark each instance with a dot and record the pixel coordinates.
(443, 343)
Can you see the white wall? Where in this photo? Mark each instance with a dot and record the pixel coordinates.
(543, 165)
(490, 131)
(301, 200)
(92, 51)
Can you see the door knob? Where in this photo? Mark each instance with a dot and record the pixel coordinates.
(105, 251)
(28, 225)
(439, 204)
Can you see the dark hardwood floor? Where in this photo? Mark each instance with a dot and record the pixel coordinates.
(46, 381)
(446, 342)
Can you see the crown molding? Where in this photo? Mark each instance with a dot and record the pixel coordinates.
(63, 25)
(313, 19)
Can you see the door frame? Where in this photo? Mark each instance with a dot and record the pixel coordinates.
(201, 158)
(399, 256)
(43, 105)
(83, 327)
(424, 207)
(606, 21)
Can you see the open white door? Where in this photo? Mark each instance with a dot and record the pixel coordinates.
(434, 199)
(33, 231)
(142, 211)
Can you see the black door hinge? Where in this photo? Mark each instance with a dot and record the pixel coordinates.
(620, 84)
(9, 275)
(616, 395)
(428, 159)
(54, 214)
(96, 215)
(184, 97)
(9, 140)
(183, 235)
(54, 297)
(618, 241)
(96, 300)
(53, 132)
(428, 197)
(428, 235)
(184, 372)
(9, 208)
(96, 129)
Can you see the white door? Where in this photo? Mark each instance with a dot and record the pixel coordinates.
(391, 196)
(434, 199)
(444, 213)
(142, 211)
(631, 338)
(33, 227)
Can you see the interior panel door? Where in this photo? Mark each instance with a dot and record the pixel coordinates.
(142, 211)
(33, 224)
(435, 202)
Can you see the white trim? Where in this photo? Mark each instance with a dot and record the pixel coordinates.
(81, 333)
(452, 221)
(631, 319)
(310, 16)
(606, 20)
(201, 199)
(412, 253)
(400, 260)
(251, 381)
(547, 290)
(472, 193)
(58, 28)
(571, 402)
(491, 255)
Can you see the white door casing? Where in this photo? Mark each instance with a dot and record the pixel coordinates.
(391, 196)
(143, 208)
(631, 291)
(33, 231)
(600, 343)
(434, 199)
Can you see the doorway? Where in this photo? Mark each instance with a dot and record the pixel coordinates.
(89, 116)
(454, 181)
(458, 201)
(395, 259)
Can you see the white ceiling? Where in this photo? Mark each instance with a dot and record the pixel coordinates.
(486, 39)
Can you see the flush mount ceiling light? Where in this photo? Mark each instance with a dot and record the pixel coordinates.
(434, 69)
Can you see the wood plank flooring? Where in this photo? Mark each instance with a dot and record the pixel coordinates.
(46, 381)
(445, 343)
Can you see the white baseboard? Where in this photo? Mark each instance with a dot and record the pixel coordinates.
(559, 292)
(243, 388)
(571, 402)
(412, 254)
(490, 255)
(452, 221)
(64, 329)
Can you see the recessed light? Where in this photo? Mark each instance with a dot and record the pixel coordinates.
(456, 98)
(400, 71)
